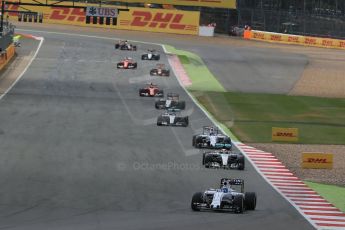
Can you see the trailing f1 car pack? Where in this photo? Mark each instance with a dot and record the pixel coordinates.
(170, 118)
(211, 138)
(127, 63)
(160, 70)
(225, 198)
(124, 45)
(223, 159)
(171, 102)
(151, 90)
(151, 55)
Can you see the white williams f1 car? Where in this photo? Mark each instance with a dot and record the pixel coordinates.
(225, 198)
(170, 118)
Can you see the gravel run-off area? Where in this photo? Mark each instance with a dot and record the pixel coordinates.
(291, 156)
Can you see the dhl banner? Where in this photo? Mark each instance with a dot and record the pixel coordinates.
(284, 134)
(317, 160)
(297, 39)
(231, 4)
(143, 19)
(156, 20)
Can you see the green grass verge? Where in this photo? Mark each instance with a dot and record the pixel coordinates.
(202, 78)
(252, 116)
(333, 194)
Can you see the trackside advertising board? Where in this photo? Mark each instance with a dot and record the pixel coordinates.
(230, 4)
(101, 12)
(297, 39)
(284, 134)
(317, 160)
(142, 19)
(157, 20)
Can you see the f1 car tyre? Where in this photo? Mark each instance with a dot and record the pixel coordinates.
(203, 158)
(241, 163)
(159, 121)
(182, 105)
(239, 204)
(194, 139)
(197, 198)
(250, 200)
(186, 122)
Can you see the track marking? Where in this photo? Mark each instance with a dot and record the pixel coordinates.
(41, 39)
(308, 202)
(248, 151)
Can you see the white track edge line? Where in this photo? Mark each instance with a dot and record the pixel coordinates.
(41, 39)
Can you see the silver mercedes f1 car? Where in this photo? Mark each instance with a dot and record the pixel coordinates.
(171, 118)
(223, 159)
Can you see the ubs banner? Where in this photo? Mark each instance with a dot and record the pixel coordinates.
(143, 19)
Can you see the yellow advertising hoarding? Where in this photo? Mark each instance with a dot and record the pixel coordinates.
(284, 134)
(157, 20)
(207, 3)
(297, 39)
(230, 4)
(143, 19)
(317, 160)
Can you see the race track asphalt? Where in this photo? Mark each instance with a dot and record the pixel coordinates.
(80, 150)
(240, 66)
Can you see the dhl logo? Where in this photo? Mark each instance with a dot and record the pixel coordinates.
(284, 134)
(276, 37)
(342, 44)
(259, 35)
(317, 160)
(293, 39)
(158, 20)
(57, 13)
(69, 14)
(310, 41)
(327, 42)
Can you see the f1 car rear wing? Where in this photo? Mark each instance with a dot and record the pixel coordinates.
(232, 181)
(206, 130)
(173, 96)
(172, 110)
(228, 181)
(160, 66)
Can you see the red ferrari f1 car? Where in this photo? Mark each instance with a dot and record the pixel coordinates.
(127, 63)
(151, 90)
